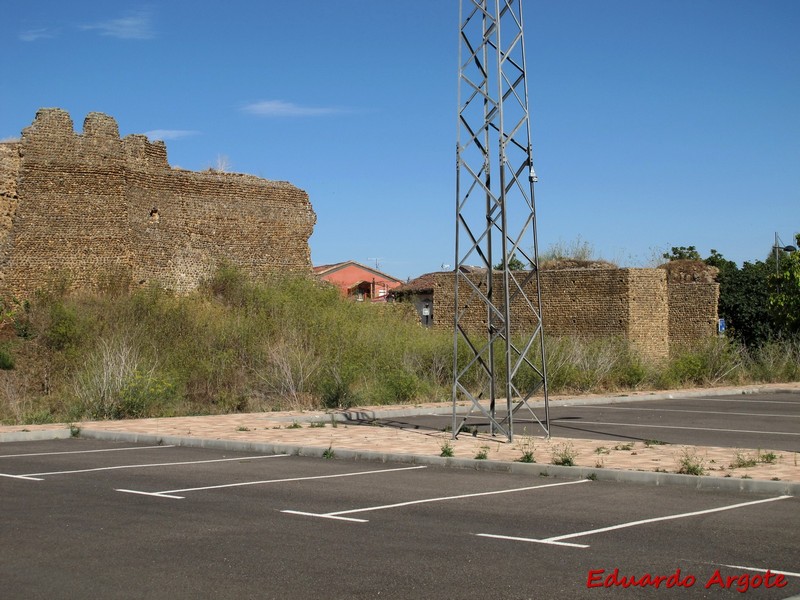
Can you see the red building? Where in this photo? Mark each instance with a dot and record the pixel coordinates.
(359, 281)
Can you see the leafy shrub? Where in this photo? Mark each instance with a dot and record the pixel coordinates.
(6, 359)
(63, 330)
(398, 386)
(143, 394)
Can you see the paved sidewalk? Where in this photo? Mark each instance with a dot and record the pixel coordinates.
(314, 432)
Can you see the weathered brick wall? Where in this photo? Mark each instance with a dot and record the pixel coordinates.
(693, 300)
(692, 312)
(634, 304)
(648, 312)
(9, 174)
(86, 209)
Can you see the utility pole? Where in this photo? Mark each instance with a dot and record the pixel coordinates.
(778, 247)
(503, 355)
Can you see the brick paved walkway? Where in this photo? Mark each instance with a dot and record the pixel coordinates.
(320, 430)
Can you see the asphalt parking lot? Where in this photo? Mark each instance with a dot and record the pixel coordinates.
(85, 518)
(765, 420)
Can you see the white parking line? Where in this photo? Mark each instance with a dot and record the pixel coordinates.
(786, 573)
(21, 477)
(33, 476)
(698, 412)
(171, 493)
(557, 540)
(738, 401)
(338, 514)
(573, 422)
(85, 451)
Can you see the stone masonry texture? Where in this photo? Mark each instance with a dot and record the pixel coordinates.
(92, 207)
(638, 305)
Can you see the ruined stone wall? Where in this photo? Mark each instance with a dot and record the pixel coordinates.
(71, 216)
(648, 313)
(692, 312)
(9, 173)
(92, 205)
(634, 304)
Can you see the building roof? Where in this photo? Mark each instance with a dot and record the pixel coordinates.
(420, 285)
(323, 270)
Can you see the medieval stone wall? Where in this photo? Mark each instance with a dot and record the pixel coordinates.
(692, 312)
(635, 304)
(93, 205)
(9, 173)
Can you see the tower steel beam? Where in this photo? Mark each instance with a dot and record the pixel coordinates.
(499, 351)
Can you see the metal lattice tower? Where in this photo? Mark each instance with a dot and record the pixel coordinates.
(495, 223)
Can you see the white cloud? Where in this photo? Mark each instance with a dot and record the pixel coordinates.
(31, 35)
(134, 26)
(279, 108)
(169, 134)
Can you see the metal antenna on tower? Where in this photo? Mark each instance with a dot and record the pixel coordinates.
(498, 336)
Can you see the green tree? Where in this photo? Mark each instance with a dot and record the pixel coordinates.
(744, 302)
(744, 298)
(514, 264)
(784, 301)
(723, 264)
(682, 253)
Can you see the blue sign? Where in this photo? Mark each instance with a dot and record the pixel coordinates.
(721, 326)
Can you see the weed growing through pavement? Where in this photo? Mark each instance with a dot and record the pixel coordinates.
(768, 457)
(628, 446)
(316, 424)
(525, 444)
(294, 425)
(744, 461)
(447, 449)
(649, 443)
(329, 453)
(564, 455)
(690, 463)
(602, 450)
(74, 430)
(242, 428)
(483, 453)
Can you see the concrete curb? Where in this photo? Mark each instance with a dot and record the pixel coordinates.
(36, 436)
(724, 484)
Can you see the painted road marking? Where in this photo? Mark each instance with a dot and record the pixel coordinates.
(786, 573)
(21, 477)
(338, 514)
(574, 422)
(738, 400)
(699, 412)
(557, 540)
(170, 464)
(84, 451)
(171, 493)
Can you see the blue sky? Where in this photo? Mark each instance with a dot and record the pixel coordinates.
(654, 123)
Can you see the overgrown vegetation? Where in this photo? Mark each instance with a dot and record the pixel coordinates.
(291, 343)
